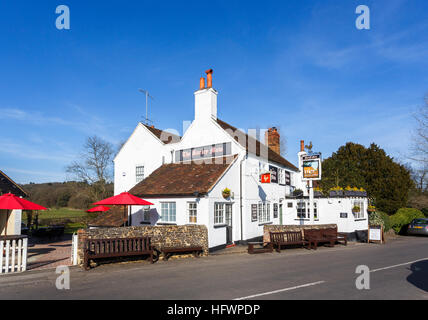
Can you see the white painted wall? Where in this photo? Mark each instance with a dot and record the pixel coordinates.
(13, 223)
(141, 149)
(329, 210)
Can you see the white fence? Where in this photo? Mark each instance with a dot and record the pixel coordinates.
(13, 254)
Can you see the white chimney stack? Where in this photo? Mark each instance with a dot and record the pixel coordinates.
(206, 99)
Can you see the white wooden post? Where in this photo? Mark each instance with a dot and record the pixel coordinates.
(12, 264)
(74, 249)
(24, 254)
(7, 256)
(1, 255)
(19, 255)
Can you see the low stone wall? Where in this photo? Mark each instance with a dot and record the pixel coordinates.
(161, 236)
(278, 228)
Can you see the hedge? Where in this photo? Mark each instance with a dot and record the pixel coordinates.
(403, 217)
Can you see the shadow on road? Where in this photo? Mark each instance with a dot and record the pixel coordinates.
(419, 276)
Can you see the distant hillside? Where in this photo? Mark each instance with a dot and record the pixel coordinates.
(70, 194)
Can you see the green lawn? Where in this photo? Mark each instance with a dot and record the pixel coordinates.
(72, 219)
(59, 213)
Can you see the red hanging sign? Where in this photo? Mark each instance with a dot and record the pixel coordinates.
(265, 178)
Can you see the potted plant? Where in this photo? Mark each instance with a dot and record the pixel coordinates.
(298, 193)
(356, 209)
(336, 192)
(371, 208)
(226, 193)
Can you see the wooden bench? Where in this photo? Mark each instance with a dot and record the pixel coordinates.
(117, 247)
(331, 233)
(285, 238)
(315, 237)
(258, 247)
(167, 252)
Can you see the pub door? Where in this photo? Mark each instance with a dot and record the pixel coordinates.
(229, 237)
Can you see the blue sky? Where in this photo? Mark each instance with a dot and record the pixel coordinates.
(299, 65)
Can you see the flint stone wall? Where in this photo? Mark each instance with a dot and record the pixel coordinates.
(278, 228)
(161, 236)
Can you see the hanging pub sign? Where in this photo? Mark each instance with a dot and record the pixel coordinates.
(273, 174)
(265, 178)
(312, 166)
(209, 151)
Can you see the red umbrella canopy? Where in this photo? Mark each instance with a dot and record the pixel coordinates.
(125, 198)
(9, 201)
(99, 209)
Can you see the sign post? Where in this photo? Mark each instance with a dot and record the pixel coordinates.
(311, 171)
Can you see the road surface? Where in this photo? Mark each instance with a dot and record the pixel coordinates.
(398, 270)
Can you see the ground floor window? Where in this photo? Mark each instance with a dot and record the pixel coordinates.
(223, 213)
(219, 213)
(146, 214)
(168, 212)
(303, 211)
(315, 210)
(358, 214)
(192, 211)
(263, 211)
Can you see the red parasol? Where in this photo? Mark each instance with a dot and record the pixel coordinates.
(9, 201)
(125, 199)
(99, 209)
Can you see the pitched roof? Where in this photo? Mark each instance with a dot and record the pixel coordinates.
(164, 136)
(8, 185)
(183, 179)
(115, 217)
(251, 141)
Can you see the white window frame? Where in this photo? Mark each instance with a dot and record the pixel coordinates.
(263, 212)
(301, 206)
(316, 216)
(168, 212)
(192, 212)
(219, 213)
(138, 176)
(358, 215)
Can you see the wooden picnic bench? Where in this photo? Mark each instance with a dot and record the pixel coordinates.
(327, 236)
(169, 251)
(315, 237)
(331, 233)
(117, 247)
(285, 238)
(258, 247)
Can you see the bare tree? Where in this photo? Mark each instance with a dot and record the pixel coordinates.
(420, 144)
(94, 166)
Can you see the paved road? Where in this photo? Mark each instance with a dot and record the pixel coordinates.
(399, 270)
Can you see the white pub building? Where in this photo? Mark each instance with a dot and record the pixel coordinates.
(214, 175)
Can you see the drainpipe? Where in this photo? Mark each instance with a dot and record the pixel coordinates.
(240, 195)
